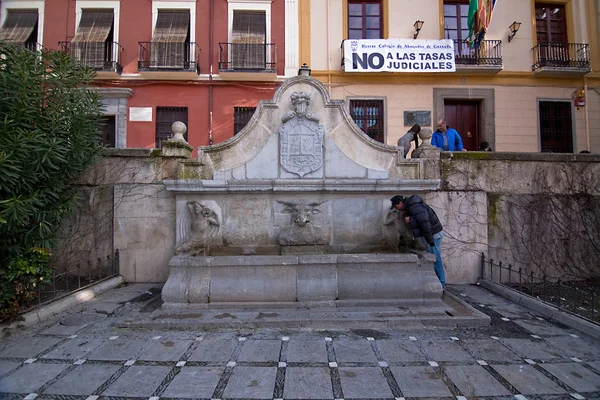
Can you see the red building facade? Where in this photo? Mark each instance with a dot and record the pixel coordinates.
(204, 62)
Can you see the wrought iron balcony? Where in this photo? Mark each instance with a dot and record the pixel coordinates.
(561, 59)
(168, 57)
(486, 58)
(247, 57)
(101, 56)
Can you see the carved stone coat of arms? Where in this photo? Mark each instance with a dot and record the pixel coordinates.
(301, 138)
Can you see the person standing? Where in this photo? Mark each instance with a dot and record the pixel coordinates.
(405, 141)
(447, 139)
(425, 226)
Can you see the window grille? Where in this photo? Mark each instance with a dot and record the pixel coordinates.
(165, 116)
(241, 117)
(368, 115)
(556, 126)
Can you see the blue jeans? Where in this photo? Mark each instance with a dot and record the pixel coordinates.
(437, 250)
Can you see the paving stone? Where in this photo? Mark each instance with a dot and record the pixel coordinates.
(137, 381)
(260, 350)
(82, 319)
(165, 350)
(307, 350)
(251, 383)
(194, 382)
(538, 327)
(445, 350)
(83, 380)
(420, 382)
(364, 382)
(307, 383)
(527, 380)
(213, 350)
(511, 311)
(105, 308)
(6, 366)
(534, 349)
(30, 347)
(119, 349)
(575, 347)
(74, 349)
(30, 378)
(475, 381)
(353, 351)
(595, 365)
(127, 293)
(575, 375)
(62, 330)
(400, 350)
(490, 350)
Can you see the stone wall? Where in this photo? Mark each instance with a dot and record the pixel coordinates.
(482, 204)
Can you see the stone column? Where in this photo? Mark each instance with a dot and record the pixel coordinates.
(177, 146)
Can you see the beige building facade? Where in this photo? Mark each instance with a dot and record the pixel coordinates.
(538, 92)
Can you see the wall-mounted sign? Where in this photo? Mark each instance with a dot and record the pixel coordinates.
(140, 114)
(399, 55)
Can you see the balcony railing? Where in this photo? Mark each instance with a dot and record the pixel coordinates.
(168, 56)
(488, 53)
(566, 56)
(248, 57)
(101, 56)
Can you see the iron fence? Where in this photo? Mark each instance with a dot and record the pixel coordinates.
(577, 297)
(561, 55)
(489, 52)
(64, 283)
(252, 57)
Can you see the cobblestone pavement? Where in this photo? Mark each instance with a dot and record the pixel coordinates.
(82, 355)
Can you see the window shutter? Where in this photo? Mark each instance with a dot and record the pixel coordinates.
(249, 33)
(19, 25)
(169, 46)
(94, 27)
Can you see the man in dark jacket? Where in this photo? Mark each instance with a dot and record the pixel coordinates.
(425, 226)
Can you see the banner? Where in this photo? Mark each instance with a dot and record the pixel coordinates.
(399, 55)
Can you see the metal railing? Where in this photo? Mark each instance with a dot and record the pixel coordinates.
(101, 56)
(489, 52)
(168, 56)
(64, 283)
(569, 296)
(561, 55)
(251, 57)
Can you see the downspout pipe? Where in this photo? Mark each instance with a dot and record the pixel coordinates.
(211, 29)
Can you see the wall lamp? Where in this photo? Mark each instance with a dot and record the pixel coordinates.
(514, 28)
(304, 70)
(418, 25)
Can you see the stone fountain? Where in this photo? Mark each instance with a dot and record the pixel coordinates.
(294, 210)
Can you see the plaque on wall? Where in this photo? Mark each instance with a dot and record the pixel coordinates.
(422, 118)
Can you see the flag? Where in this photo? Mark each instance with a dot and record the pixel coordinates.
(479, 18)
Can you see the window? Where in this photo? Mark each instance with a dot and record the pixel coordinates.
(171, 40)
(22, 22)
(556, 126)
(248, 40)
(456, 25)
(107, 136)
(364, 19)
(368, 115)
(20, 28)
(97, 34)
(241, 117)
(550, 23)
(165, 116)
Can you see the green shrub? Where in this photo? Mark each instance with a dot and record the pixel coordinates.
(49, 126)
(19, 282)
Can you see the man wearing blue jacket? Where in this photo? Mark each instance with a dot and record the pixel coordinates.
(446, 138)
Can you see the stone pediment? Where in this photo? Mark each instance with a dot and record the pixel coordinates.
(300, 134)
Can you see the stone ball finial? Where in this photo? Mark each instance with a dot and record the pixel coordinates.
(425, 134)
(179, 129)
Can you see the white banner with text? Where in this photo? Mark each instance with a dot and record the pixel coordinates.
(399, 55)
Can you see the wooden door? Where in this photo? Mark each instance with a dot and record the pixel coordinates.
(463, 115)
(551, 34)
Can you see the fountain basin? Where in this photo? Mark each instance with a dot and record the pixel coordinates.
(300, 280)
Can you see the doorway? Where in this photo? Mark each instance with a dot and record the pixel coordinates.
(465, 117)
